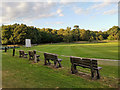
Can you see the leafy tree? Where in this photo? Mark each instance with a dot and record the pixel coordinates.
(67, 35)
(110, 37)
(76, 26)
(91, 38)
(17, 33)
(100, 37)
(83, 35)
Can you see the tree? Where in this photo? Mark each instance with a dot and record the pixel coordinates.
(113, 33)
(101, 37)
(6, 34)
(91, 38)
(17, 33)
(76, 26)
(60, 33)
(83, 35)
(76, 33)
(67, 35)
(110, 37)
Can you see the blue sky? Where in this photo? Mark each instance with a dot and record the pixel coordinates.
(88, 15)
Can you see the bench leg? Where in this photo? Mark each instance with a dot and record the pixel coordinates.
(98, 74)
(30, 58)
(73, 69)
(55, 64)
(35, 58)
(49, 62)
(92, 73)
(38, 59)
(59, 64)
(45, 63)
(20, 56)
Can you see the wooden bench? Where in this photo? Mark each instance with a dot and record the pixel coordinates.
(32, 55)
(53, 57)
(85, 63)
(22, 54)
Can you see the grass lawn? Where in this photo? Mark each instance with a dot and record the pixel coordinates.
(108, 50)
(21, 73)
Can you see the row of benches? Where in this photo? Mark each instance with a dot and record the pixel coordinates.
(75, 61)
(32, 55)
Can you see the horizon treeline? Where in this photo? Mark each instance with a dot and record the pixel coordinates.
(17, 33)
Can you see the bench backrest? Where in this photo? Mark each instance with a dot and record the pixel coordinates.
(50, 56)
(84, 62)
(31, 53)
(21, 52)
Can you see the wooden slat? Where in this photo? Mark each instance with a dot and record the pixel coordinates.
(86, 62)
(84, 66)
(75, 59)
(50, 56)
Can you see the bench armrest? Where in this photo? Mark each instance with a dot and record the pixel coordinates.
(25, 54)
(59, 59)
(99, 68)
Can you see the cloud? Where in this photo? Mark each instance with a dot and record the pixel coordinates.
(80, 11)
(59, 12)
(59, 23)
(54, 23)
(27, 11)
(97, 8)
(110, 12)
(100, 5)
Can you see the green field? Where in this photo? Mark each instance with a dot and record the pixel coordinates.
(108, 50)
(21, 73)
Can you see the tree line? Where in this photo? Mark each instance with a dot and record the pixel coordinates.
(17, 33)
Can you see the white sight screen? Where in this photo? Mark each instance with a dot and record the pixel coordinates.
(28, 42)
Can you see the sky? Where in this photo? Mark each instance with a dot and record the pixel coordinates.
(94, 16)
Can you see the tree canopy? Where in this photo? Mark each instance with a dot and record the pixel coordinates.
(17, 33)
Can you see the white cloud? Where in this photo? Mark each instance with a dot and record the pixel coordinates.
(79, 10)
(58, 22)
(59, 12)
(110, 12)
(65, 2)
(101, 5)
(97, 8)
(27, 11)
(54, 23)
(61, 15)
